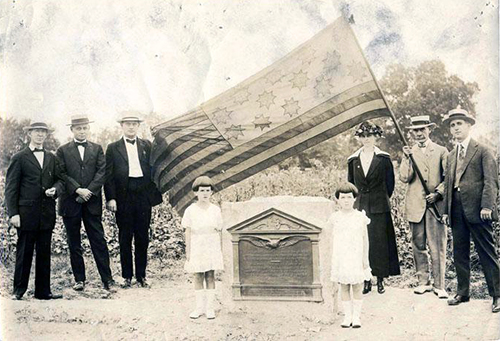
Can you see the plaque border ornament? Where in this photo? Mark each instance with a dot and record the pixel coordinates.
(267, 229)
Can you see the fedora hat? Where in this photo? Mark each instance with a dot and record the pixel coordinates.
(130, 116)
(79, 119)
(422, 121)
(458, 113)
(38, 125)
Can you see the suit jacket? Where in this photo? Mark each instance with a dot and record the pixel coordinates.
(478, 181)
(117, 170)
(432, 165)
(377, 186)
(89, 173)
(25, 187)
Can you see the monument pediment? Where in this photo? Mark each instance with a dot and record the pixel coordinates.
(274, 221)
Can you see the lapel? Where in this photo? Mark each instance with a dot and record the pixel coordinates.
(46, 161)
(88, 152)
(373, 165)
(419, 156)
(471, 150)
(141, 151)
(73, 149)
(32, 158)
(120, 145)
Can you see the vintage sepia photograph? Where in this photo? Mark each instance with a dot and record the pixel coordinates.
(243, 170)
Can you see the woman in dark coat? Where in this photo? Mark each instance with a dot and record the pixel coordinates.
(371, 171)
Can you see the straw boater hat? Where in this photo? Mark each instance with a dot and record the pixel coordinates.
(458, 113)
(130, 116)
(38, 125)
(422, 121)
(79, 119)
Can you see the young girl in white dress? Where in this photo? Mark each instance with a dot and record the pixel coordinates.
(350, 264)
(202, 222)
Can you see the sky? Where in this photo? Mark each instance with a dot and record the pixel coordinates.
(100, 57)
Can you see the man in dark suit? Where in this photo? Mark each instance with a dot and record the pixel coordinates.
(131, 193)
(83, 169)
(31, 185)
(471, 188)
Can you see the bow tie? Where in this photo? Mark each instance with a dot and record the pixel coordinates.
(36, 150)
(422, 145)
(130, 141)
(83, 144)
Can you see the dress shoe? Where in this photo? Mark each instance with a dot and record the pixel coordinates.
(79, 286)
(422, 289)
(143, 282)
(441, 293)
(495, 307)
(108, 284)
(367, 287)
(458, 299)
(380, 286)
(17, 297)
(127, 283)
(49, 297)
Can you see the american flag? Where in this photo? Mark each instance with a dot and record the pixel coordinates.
(315, 92)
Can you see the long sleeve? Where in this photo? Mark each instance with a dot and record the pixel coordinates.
(444, 161)
(71, 184)
(490, 173)
(109, 187)
(389, 177)
(100, 174)
(12, 186)
(350, 171)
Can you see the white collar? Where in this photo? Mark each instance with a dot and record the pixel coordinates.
(126, 138)
(376, 150)
(76, 141)
(32, 148)
(465, 142)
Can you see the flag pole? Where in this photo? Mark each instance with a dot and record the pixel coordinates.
(434, 208)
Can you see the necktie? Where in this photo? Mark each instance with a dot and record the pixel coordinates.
(37, 150)
(83, 144)
(461, 152)
(130, 141)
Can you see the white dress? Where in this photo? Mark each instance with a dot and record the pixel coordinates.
(349, 247)
(206, 226)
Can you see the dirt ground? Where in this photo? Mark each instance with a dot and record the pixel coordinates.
(161, 313)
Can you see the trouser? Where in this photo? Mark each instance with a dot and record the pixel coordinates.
(95, 233)
(27, 241)
(429, 236)
(482, 234)
(133, 218)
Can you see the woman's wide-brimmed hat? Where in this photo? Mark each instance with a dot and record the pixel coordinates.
(422, 121)
(130, 116)
(79, 119)
(366, 129)
(458, 113)
(38, 125)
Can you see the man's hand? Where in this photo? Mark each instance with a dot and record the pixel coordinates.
(111, 205)
(51, 192)
(407, 151)
(445, 219)
(432, 197)
(84, 193)
(486, 214)
(15, 220)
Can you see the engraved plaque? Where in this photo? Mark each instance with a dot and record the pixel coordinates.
(283, 265)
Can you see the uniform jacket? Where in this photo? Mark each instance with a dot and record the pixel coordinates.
(432, 165)
(89, 173)
(25, 187)
(377, 186)
(117, 170)
(478, 181)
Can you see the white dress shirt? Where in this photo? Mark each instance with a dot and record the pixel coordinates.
(134, 166)
(39, 155)
(366, 161)
(81, 149)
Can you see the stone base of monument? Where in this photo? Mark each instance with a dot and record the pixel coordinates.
(277, 249)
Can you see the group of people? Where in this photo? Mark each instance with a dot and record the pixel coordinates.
(75, 176)
(458, 188)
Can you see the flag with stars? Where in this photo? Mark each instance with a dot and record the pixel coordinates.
(315, 92)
